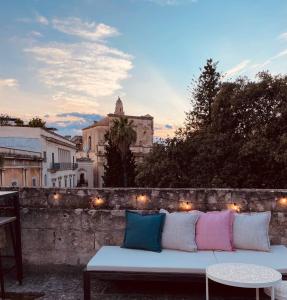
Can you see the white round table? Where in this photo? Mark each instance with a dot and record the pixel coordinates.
(244, 276)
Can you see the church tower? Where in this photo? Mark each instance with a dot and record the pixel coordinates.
(119, 107)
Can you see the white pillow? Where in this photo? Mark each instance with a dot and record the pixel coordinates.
(179, 231)
(250, 231)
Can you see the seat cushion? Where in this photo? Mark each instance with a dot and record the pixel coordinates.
(114, 258)
(276, 258)
(280, 291)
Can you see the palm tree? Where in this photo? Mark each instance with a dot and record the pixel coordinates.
(122, 135)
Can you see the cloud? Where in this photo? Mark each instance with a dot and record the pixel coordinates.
(238, 68)
(42, 20)
(81, 72)
(171, 2)
(280, 54)
(89, 31)
(8, 82)
(35, 34)
(71, 123)
(283, 36)
(167, 126)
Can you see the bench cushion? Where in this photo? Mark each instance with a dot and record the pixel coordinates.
(276, 258)
(114, 258)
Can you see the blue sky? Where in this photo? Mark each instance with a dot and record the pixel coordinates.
(67, 61)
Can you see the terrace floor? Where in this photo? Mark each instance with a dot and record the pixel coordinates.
(66, 283)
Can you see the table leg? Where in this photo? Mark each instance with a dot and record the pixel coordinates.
(257, 294)
(272, 293)
(206, 288)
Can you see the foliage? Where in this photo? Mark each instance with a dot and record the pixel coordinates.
(4, 120)
(19, 122)
(120, 163)
(203, 92)
(37, 122)
(239, 141)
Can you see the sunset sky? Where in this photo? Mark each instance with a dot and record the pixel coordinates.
(67, 61)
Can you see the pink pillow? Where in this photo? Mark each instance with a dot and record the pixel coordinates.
(214, 231)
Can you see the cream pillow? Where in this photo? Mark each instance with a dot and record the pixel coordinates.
(179, 231)
(251, 231)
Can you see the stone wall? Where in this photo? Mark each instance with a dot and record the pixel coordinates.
(68, 226)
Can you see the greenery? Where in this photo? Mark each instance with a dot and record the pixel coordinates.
(120, 163)
(37, 122)
(234, 136)
(4, 120)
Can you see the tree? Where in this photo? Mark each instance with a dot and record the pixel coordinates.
(37, 122)
(203, 92)
(19, 122)
(237, 140)
(119, 158)
(4, 120)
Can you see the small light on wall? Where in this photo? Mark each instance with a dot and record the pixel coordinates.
(235, 207)
(283, 201)
(96, 202)
(185, 205)
(141, 199)
(56, 196)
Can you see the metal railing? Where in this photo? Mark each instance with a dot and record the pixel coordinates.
(63, 166)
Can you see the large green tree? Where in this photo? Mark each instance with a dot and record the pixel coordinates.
(120, 163)
(202, 95)
(238, 139)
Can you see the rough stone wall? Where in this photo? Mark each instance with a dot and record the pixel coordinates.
(68, 227)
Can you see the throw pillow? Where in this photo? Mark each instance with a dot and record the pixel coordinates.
(250, 231)
(179, 231)
(143, 231)
(214, 231)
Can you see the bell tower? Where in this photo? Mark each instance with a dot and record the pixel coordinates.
(119, 110)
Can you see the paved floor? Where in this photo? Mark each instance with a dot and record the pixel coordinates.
(66, 283)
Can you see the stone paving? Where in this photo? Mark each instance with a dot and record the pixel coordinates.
(65, 283)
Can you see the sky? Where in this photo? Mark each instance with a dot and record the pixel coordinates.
(68, 61)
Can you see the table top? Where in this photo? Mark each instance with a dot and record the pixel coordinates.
(6, 220)
(243, 275)
(6, 193)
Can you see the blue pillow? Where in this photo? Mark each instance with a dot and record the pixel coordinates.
(143, 231)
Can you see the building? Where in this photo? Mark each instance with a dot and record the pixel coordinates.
(94, 140)
(57, 155)
(20, 168)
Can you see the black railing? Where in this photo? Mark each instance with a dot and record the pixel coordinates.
(63, 166)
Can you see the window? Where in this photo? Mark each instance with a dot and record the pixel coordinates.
(14, 183)
(54, 182)
(89, 143)
(65, 181)
(64, 156)
(53, 158)
(44, 156)
(70, 181)
(34, 181)
(60, 182)
(45, 180)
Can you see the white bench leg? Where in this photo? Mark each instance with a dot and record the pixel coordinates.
(206, 288)
(272, 293)
(257, 294)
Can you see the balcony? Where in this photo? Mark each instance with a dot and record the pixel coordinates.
(54, 167)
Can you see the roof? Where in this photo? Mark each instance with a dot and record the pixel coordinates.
(103, 122)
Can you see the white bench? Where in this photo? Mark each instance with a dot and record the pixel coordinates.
(113, 262)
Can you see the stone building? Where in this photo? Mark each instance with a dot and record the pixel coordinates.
(20, 168)
(57, 154)
(94, 141)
